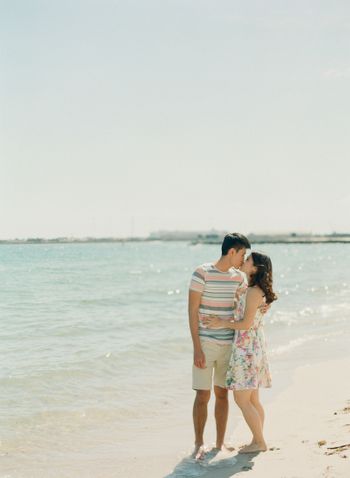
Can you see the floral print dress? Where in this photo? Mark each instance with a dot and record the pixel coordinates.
(248, 368)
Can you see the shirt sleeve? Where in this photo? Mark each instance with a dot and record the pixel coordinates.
(198, 280)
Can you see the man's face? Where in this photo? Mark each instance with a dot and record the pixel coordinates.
(237, 257)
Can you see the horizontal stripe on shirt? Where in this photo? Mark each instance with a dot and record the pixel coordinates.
(218, 290)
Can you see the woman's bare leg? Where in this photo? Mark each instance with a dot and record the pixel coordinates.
(255, 399)
(252, 417)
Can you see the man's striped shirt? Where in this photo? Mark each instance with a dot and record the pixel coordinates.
(218, 291)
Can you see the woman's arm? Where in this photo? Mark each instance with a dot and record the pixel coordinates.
(214, 322)
(253, 301)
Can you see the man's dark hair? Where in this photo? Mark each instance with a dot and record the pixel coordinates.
(236, 241)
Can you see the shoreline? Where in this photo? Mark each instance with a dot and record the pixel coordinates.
(191, 243)
(307, 431)
(313, 408)
(303, 426)
(285, 239)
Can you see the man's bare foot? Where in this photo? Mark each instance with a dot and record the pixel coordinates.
(253, 448)
(198, 452)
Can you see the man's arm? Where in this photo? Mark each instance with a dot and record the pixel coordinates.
(194, 300)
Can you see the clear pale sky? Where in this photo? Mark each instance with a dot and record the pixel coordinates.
(125, 117)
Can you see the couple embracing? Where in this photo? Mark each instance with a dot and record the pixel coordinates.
(227, 302)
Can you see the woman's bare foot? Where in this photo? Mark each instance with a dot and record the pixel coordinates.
(253, 442)
(224, 447)
(228, 447)
(253, 448)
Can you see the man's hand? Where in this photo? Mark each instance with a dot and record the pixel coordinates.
(264, 308)
(199, 358)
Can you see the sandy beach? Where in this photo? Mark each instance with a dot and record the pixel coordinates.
(307, 429)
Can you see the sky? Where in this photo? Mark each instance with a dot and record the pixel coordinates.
(118, 118)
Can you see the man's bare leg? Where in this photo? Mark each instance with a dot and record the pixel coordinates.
(200, 413)
(221, 414)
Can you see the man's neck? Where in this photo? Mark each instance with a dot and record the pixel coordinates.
(223, 264)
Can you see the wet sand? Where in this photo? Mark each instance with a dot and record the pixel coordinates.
(307, 430)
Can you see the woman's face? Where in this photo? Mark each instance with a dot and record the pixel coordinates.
(248, 266)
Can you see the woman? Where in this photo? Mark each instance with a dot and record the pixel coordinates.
(249, 368)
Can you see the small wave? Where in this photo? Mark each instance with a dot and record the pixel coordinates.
(298, 342)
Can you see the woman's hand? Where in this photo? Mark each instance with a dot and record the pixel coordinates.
(214, 322)
(264, 308)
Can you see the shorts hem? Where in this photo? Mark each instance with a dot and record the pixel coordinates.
(220, 385)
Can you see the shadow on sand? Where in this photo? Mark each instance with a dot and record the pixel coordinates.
(211, 468)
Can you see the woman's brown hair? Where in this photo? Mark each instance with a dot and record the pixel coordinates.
(263, 276)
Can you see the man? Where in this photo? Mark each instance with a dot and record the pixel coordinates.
(212, 290)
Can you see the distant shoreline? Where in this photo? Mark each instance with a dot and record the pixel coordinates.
(255, 239)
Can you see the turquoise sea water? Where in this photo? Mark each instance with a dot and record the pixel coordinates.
(95, 344)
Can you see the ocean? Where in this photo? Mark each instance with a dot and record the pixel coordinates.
(96, 350)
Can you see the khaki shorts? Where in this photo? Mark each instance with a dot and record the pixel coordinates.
(217, 358)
